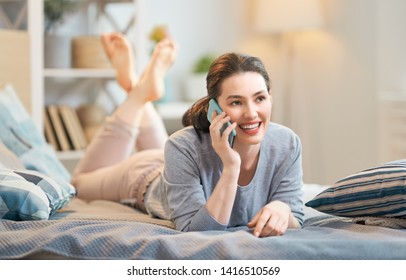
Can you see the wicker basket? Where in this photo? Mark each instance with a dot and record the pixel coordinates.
(91, 118)
(88, 52)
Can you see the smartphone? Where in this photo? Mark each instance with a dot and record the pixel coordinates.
(214, 107)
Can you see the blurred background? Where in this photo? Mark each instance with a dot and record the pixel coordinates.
(343, 70)
(337, 67)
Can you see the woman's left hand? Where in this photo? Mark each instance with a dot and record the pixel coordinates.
(271, 220)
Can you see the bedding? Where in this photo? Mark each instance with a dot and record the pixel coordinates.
(108, 230)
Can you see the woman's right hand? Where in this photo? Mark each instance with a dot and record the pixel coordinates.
(219, 140)
(221, 201)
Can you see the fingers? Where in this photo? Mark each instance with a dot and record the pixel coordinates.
(261, 222)
(220, 132)
(217, 126)
(254, 220)
(216, 123)
(268, 224)
(272, 227)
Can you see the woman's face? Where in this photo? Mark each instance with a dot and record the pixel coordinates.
(244, 97)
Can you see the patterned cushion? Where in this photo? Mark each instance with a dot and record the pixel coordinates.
(377, 191)
(19, 134)
(58, 193)
(9, 159)
(30, 195)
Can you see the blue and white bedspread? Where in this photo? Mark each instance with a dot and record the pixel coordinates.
(123, 233)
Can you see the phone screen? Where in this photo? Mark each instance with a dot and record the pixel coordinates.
(214, 107)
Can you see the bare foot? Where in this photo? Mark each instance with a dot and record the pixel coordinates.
(119, 52)
(151, 85)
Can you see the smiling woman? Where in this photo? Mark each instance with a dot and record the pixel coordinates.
(244, 183)
(196, 179)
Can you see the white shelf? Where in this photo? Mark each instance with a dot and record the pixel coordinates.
(172, 110)
(78, 73)
(70, 155)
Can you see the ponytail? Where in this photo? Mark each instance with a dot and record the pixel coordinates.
(197, 116)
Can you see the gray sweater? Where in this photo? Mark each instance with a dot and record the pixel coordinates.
(192, 169)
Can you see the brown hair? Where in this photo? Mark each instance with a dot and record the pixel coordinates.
(223, 67)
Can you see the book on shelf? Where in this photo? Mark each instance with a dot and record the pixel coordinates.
(56, 122)
(66, 127)
(73, 127)
(80, 132)
(49, 132)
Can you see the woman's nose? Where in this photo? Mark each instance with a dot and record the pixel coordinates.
(250, 112)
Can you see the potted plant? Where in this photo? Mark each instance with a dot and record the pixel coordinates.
(55, 11)
(196, 82)
(202, 65)
(57, 47)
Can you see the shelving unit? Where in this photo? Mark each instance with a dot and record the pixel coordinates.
(91, 82)
(26, 18)
(78, 73)
(99, 17)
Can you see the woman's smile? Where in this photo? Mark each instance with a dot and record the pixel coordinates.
(250, 128)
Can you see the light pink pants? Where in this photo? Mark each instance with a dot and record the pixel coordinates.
(111, 169)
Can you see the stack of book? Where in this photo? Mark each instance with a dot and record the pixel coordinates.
(63, 129)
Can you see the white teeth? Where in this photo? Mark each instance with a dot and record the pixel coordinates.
(249, 126)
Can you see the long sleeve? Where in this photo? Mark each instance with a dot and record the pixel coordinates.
(192, 170)
(184, 179)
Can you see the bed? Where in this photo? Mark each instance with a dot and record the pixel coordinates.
(107, 230)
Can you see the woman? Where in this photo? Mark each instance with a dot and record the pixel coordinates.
(205, 184)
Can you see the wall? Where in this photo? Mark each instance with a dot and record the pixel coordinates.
(391, 45)
(347, 76)
(334, 73)
(336, 92)
(391, 87)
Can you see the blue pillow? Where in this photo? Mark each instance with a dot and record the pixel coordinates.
(20, 199)
(30, 195)
(8, 159)
(58, 193)
(19, 134)
(378, 191)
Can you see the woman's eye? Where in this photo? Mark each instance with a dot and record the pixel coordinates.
(261, 98)
(235, 103)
